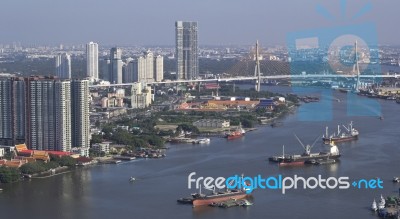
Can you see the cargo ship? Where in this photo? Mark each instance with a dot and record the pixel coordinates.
(238, 133)
(199, 199)
(307, 157)
(341, 136)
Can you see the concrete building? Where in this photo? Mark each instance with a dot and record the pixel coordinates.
(12, 110)
(82, 151)
(146, 68)
(187, 61)
(116, 65)
(105, 69)
(141, 96)
(2, 152)
(104, 146)
(63, 65)
(80, 113)
(48, 114)
(158, 68)
(92, 60)
(212, 123)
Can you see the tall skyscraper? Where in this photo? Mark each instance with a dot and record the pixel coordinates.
(80, 113)
(62, 116)
(12, 110)
(105, 69)
(116, 65)
(158, 68)
(127, 71)
(92, 60)
(187, 61)
(63, 65)
(48, 114)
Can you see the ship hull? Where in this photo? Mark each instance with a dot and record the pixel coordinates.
(207, 201)
(339, 139)
(230, 137)
(304, 160)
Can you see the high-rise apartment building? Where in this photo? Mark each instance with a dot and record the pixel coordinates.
(158, 68)
(63, 65)
(48, 114)
(12, 110)
(92, 60)
(80, 113)
(141, 95)
(187, 61)
(146, 68)
(116, 65)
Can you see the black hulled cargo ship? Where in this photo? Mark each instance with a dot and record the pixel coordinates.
(307, 157)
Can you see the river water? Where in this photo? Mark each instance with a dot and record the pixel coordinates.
(104, 191)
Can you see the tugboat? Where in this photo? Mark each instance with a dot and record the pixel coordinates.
(307, 157)
(350, 134)
(238, 133)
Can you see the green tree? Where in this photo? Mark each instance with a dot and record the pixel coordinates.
(67, 161)
(9, 174)
(96, 139)
(32, 167)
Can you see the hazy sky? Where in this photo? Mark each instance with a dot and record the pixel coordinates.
(151, 22)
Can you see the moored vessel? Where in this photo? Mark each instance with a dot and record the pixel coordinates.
(307, 157)
(341, 136)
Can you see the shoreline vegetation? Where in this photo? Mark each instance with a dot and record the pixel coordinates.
(147, 134)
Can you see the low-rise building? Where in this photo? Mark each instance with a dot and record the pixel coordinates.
(102, 147)
(211, 123)
(82, 151)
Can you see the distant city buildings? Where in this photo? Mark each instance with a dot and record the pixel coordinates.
(147, 68)
(63, 65)
(187, 60)
(115, 68)
(92, 60)
(46, 113)
(141, 95)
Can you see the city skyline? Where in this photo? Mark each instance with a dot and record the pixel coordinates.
(242, 23)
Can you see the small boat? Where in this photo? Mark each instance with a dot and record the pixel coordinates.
(1, 189)
(132, 179)
(245, 203)
(201, 141)
(373, 206)
(381, 117)
(396, 179)
(381, 203)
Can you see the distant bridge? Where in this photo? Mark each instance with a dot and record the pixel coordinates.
(272, 77)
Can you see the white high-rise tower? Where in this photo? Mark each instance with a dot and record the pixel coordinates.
(92, 59)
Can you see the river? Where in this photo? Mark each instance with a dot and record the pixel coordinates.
(104, 191)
